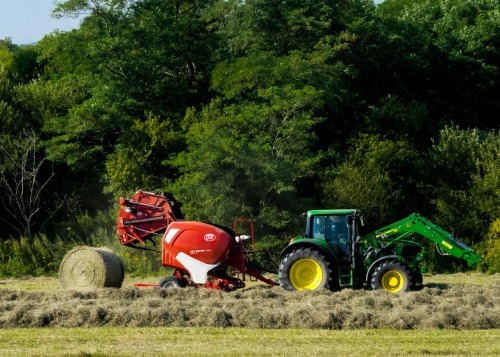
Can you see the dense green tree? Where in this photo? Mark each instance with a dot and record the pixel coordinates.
(466, 178)
(376, 177)
(400, 120)
(248, 158)
(252, 147)
(282, 26)
(6, 55)
(127, 59)
(6, 110)
(139, 160)
(452, 52)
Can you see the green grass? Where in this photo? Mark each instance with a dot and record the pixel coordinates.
(245, 342)
(45, 283)
(463, 278)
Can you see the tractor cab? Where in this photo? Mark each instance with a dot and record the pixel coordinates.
(337, 227)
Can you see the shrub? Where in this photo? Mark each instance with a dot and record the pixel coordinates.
(32, 257)
(43, 255)
(491, 250)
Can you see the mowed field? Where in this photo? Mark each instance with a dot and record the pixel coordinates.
(453, 315)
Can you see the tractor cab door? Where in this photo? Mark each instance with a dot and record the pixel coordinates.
(335, 230)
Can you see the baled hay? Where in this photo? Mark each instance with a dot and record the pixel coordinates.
(84, 268)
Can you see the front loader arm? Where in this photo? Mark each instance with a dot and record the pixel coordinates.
(415, 223)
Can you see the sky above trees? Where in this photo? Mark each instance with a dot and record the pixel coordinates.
(27, 21)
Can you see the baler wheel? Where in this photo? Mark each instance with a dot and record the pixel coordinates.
(393, 276)
(304, 269)
(170, 282)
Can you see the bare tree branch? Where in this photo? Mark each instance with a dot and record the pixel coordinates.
(22, 181)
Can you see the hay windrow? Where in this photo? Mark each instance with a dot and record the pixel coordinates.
(85, 268)
(434, 307)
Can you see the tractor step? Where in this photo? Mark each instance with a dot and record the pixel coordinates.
(346, 276)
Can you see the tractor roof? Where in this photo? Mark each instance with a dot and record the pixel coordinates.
(326, 212)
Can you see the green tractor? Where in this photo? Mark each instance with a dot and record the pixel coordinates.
(332, 254)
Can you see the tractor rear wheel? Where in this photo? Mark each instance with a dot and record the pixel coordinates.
(170, 282)
(304, 269)
(393, 276)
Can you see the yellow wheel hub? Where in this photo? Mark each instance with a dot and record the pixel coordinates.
(306, 274)
(393, 281)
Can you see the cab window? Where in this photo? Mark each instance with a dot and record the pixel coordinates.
(337, 232)
(319, 227)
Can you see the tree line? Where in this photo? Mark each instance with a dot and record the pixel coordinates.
(257, 108)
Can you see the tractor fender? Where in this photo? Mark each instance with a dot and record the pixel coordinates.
(311, 244)
(376, 263)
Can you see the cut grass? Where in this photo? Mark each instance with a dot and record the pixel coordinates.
(236, 341)
(436, 306)
(245, 342)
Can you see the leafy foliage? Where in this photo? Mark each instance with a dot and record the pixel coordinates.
(32, 257)
(245, 158)
(491, 248)
(467, 170)
(139, 155)
(374, 178)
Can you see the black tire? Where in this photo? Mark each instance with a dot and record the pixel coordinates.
(170, 282)
(392, 276)
(418, 281)
(304, 269)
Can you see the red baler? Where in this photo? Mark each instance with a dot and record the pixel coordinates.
(201, 254)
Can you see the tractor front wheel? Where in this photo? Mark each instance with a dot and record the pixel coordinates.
(395, 277)
(170, 282)
(418, 281)
(304, 269)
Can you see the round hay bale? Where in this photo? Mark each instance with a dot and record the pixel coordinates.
(85, 268)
